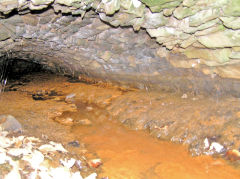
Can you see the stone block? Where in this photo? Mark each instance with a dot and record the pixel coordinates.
(221, 39)
(41, 2)
(218, 55)
(4, 34)
(162, 31)
(154, 20)
(6, 6)
(168, 12)
(235, 55)
(231, 22)
(203, 17)
(67, 2)
(186, 43)
(182, 12)
(110, 7)
(203, 26)
(159, 8)
(188, 3)
(232, 8)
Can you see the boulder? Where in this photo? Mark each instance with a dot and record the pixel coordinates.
(10, 123)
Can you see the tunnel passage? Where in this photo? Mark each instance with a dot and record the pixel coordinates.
(13, 72)
(77, 40)
(15, 68)
(171, 46)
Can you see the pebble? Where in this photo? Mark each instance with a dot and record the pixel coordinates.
(78, 164)
(184, 96)
(47, 148)
(76, 175)
(89, 108)
(92, 176)
(85, 122)
(16, 152)
(14, 174)
(74, 144)
(34, 159)
(10, 124)
(52, 147)
(70, 98)
(65, 121)
(3, 158)
(33, 139)
(5, 142)
(95, 163)
(60, 172)
(233, 155)
(32, 175)
(44, 95)
(68, 163)
(44, 175)
(206, 143)
(216, 147)
(58, 147)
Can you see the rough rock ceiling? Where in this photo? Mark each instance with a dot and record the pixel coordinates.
(197, 40)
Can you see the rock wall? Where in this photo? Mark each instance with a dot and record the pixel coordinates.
(197, 49)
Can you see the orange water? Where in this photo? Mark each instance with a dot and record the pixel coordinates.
(125, 153)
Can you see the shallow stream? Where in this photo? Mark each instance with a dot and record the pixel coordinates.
(50, 106)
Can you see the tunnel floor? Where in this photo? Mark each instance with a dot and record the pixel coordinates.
(114, 124)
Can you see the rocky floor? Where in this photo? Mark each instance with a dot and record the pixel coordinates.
(181, 118)
(72, 112)
(30, 157)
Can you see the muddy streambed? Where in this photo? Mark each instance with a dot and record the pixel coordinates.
(63, 110)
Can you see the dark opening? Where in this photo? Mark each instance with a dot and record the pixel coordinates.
(13, 71)
(16, 68)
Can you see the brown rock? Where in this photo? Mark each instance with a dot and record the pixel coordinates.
(65, 121)
(233, 155)
(95, 163)
(85, 122)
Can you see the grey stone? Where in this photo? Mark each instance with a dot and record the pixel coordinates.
(232, 8)
(10, 123)
(182, 12)
(6, 6)
(231, 22)
(14, 20)
(154, 20)
(41, 2)
(227, 38)
(4, 35)
(203, 17)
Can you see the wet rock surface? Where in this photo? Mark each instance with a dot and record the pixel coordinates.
(181, 120)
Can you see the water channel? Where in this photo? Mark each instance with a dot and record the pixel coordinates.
(101, 121)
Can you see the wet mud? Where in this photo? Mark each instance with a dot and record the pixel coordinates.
(66, 111)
